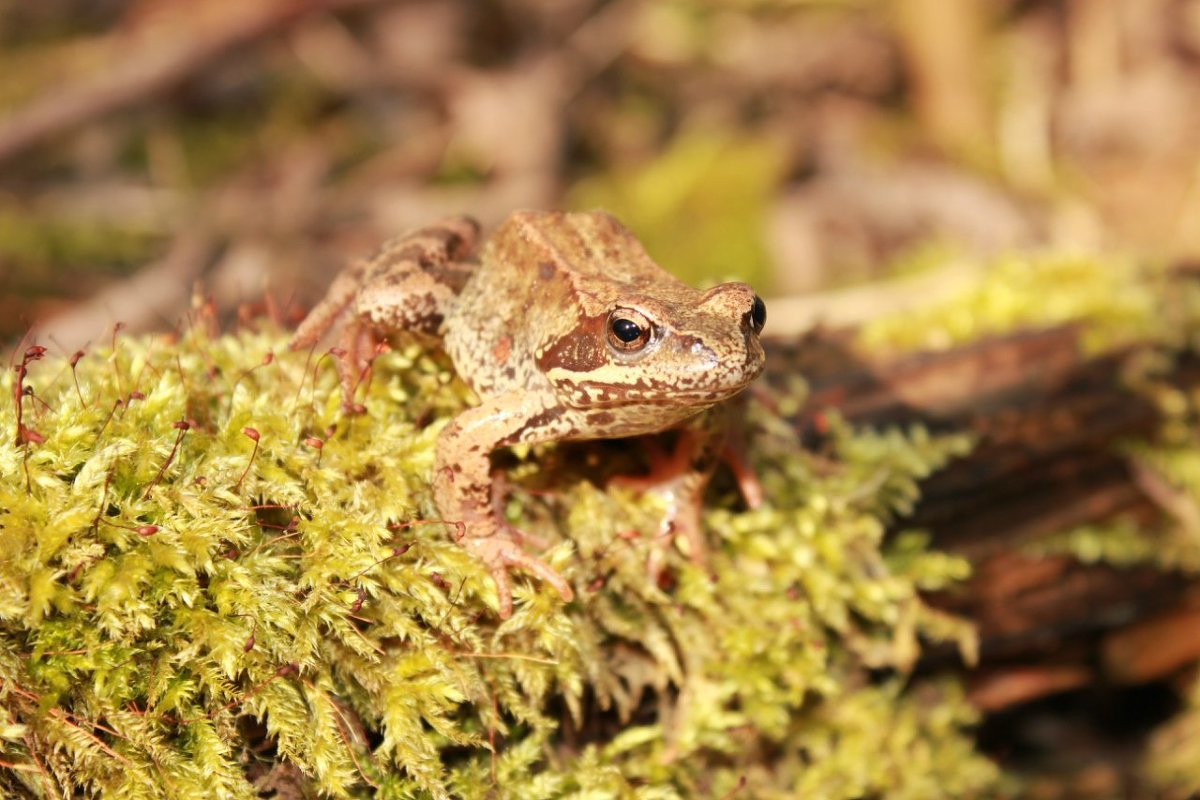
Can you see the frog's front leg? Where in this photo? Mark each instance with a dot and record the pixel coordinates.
(408, 285)
(462, 484)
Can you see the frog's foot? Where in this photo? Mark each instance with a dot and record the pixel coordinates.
(679, 477)
(359, 344)
(681, 522)
(500, 553)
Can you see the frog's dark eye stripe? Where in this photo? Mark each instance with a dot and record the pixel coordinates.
(628, 330)
(758, 314)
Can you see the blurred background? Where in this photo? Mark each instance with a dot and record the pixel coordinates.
(149, 146)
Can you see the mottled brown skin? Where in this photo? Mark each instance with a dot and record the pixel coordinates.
(538, 329)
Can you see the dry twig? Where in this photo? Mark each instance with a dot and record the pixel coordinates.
(184, 39)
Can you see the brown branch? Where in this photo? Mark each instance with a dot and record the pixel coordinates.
(178, 42)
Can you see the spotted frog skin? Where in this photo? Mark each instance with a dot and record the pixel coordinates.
(565, 329)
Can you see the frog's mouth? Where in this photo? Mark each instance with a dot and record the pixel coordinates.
(720, 391)
(650, 391)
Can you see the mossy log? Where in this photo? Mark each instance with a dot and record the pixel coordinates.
(1050, 422)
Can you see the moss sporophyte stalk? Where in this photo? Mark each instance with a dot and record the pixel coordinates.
(215, 582)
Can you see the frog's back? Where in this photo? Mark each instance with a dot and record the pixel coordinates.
(542, 273)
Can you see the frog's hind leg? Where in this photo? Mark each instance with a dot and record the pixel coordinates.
(325, 314)
(355, 340)
(408, 285)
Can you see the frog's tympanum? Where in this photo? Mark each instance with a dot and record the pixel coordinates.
(566, 329)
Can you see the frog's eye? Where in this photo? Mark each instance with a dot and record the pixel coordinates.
(758, 314)
(628, 330)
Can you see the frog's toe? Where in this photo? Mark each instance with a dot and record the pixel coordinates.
(734, 455)
(503, 591)
(501, 554)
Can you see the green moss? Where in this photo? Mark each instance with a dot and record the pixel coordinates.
(183, 616)
(1174, 753)
(1115, 300)
(1121, 543)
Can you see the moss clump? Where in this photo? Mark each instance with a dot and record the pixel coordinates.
(213, 583)
(1117, 301)
(1170, 762)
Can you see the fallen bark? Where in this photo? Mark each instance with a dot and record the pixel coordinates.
(1049, 422)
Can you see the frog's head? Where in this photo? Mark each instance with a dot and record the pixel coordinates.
(680, 348)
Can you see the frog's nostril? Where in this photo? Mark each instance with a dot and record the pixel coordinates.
(757, 315)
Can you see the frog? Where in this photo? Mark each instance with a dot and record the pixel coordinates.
(565, 329)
